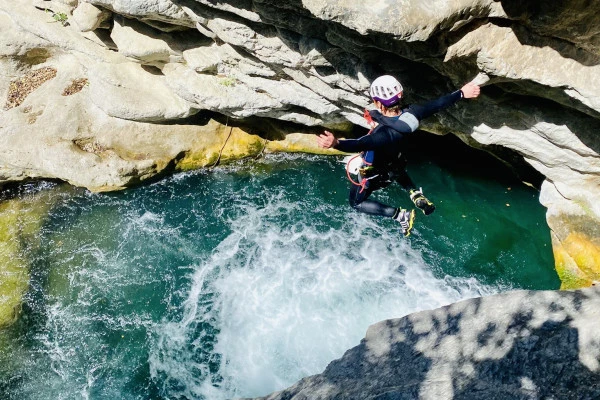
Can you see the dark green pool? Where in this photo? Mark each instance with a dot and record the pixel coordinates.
(239, 281)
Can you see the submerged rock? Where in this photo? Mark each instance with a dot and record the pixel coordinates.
(20, 222)
(14, 270)
(523, 344)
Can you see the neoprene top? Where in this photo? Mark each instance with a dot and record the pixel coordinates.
(384, 143)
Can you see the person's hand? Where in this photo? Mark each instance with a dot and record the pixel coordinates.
(326, 140)
(470, 90)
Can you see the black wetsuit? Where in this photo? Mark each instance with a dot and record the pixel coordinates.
(384, 146)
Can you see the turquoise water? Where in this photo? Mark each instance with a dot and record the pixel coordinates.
(241, 280)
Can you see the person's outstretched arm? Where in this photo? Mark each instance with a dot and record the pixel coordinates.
(468, 91)
(326, 140)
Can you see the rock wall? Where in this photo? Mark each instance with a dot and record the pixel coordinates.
(106, 94)
(517, 345)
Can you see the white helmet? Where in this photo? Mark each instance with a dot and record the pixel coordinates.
(387, 90)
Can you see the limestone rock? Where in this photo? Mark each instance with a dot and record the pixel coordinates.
(19, 43)
(575, 233)
(501, 54)
(137, 40)
(88, 17)
(523, 344)
(574, 21)
(56, 9)
(224, 60)
(163, 11)
(411, 21)
(129, 91)
(308, 64)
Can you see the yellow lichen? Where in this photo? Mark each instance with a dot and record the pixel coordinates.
(225, 145)
(577, 260)
(14, 274)
(20, 221)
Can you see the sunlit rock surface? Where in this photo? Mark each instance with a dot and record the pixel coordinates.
(155, 72)
(517, 345)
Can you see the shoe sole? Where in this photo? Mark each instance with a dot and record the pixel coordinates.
(428, 208)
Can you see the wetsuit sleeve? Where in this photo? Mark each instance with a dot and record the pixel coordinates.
(430, 108)
(382, 138)
(355, 145)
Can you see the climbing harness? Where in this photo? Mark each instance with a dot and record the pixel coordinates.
(365, 171)
(370, 122)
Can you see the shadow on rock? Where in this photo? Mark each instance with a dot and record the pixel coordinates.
(522, 344)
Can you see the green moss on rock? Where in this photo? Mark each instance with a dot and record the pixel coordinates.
(20, 221)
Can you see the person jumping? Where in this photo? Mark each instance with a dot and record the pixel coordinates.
(382, 158)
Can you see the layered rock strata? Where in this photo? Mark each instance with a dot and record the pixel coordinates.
(141, 88)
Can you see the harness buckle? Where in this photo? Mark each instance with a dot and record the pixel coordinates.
(367, 171)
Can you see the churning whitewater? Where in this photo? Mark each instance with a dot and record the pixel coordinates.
(276, 302)
(238, 281)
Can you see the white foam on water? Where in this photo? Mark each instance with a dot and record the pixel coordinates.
(285, 299)
(75, 359)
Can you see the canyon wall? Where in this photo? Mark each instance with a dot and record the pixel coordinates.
(106, 94)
